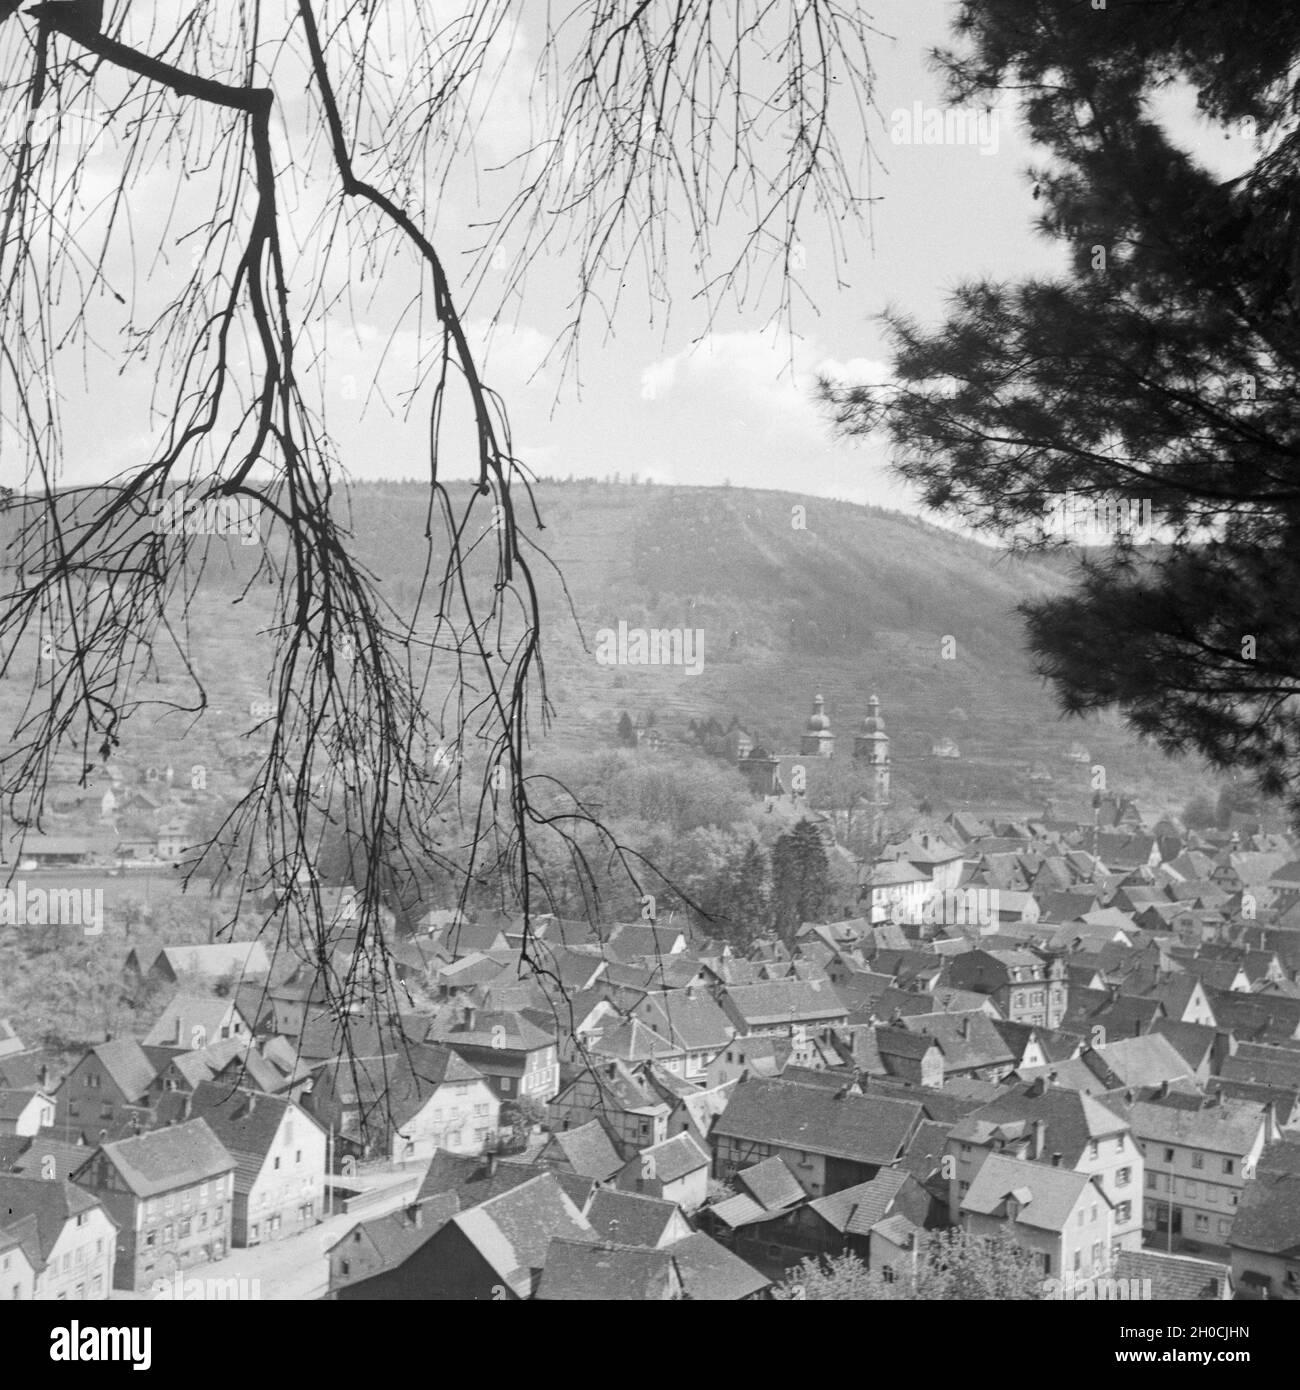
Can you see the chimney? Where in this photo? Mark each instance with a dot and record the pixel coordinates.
(1040, 1132)
(1051, 1078)
(965, 1029)
(1162, 1091)
(467, 1018)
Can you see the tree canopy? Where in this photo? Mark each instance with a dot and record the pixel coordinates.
(1156, 375)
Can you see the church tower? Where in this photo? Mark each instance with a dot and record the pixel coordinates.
(871, 745)
(817, 740)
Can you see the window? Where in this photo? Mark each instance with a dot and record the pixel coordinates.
(97, 1286)
(252, 1235)
(203, 1221)
(1096, 1255)
(1192, 1189)
(1094, 1211)
(480, 1110)
(346, 1268)
(185, 1228)
(965, 1150)
(1094, 1149)
(1198, 1160)
(887, 1274)
(169, 1233)
(1081, 1216)
(1123, 1176)
(99, 1246)
(1078, 1259)
(963, 1188)
(1232, 1199)
(150, 1237)
(297, 1156)
(1123, 1212)
(1202, 1221)
(1119, 1144)
(1225, 1225)
(203, 1192)
(277, 1162)
(1047, 1264)
(1229, 1167)
(1169, 1155)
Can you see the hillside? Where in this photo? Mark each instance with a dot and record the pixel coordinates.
(857, 603)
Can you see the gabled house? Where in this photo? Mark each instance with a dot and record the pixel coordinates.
(621, 1096)
(829, 1137)
(194, 1021)
(25, 1112)
(1264, 1240)
(1198, 1155)
(105, 1094)
(519, 1059)
(235, 960)
(1045, 1124)
(280, 1156)
(781, 1007)
(405, 1103)
(676, 1170)
(170, 1192)
(1026, 987)
(64, 1234)
(493, 1251)
(1061, 1216)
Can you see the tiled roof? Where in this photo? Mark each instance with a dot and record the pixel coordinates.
(513, 1232)
(1230, 1127)
(398, 1235)
(781, 1001)
(771, 1183)
(52, 1203)
(1144, 1061)
(855, 1210)
(865, 1129)
(1174, 1278)
(673, 1159)
(166, 1159)
(1268, 1219)
(245, 958)
(125, 1061)
(580, 1271)
(589, 1149)
(630, 1218)
(696, 1024)
(1046, 1196)
(711, 1273)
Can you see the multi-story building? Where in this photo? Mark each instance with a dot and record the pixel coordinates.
(1197, 1160)
(1049, 1125)
(280, 1151)
(1025, 986)
(63, 1233)
(171, 1193)
(1063, 1217)
(105, 1095)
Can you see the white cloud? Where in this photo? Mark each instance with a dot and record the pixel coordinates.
(764, 373)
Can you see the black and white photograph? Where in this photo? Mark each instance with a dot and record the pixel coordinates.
(649, 652)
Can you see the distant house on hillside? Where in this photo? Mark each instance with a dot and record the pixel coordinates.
(245, 960)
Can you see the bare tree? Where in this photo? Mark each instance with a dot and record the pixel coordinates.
(303, 147)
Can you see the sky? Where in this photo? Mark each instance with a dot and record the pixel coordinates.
(669, 393)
